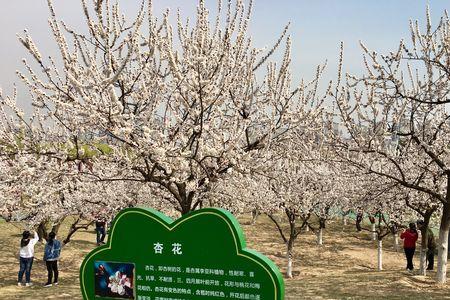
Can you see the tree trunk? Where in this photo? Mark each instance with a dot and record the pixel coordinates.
(185, 199)
(185, 209)
(55, 228)
(423, 261)
(396, 241)
(374, 232)
(424, 242)
(441, 275)
(42, 231)
(359, 218)
(288, 240)
(289, 257)
(322, 223)
(74, 228)
(380, 255)
(255, 214)
(320, 236)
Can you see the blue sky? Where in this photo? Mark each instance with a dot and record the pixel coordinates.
(317, 27)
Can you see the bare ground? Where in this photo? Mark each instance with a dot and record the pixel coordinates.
(343, 268)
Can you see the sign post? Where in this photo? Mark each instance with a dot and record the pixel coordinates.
(202, 255)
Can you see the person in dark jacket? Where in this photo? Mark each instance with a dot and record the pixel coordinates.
(100, 229)
(52, 252)
(431, 245)
(409, 238)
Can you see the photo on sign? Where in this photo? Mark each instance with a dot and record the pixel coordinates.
(114, 279)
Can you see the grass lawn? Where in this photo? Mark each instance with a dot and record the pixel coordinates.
(343, 268)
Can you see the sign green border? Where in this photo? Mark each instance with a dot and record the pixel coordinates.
(169, 224)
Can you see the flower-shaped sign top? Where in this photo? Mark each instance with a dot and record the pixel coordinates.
(199, 256)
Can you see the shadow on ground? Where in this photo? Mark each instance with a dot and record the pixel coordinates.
(343, 268)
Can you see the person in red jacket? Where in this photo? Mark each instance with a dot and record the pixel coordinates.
(409, 238)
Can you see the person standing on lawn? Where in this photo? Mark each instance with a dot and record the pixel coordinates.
(431, 245)
(51, 255)
(409, 238)
(26, 257)
(100, 229)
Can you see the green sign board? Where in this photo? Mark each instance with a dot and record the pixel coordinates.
(202, 255)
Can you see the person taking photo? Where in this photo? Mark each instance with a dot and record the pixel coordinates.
(26, 257)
